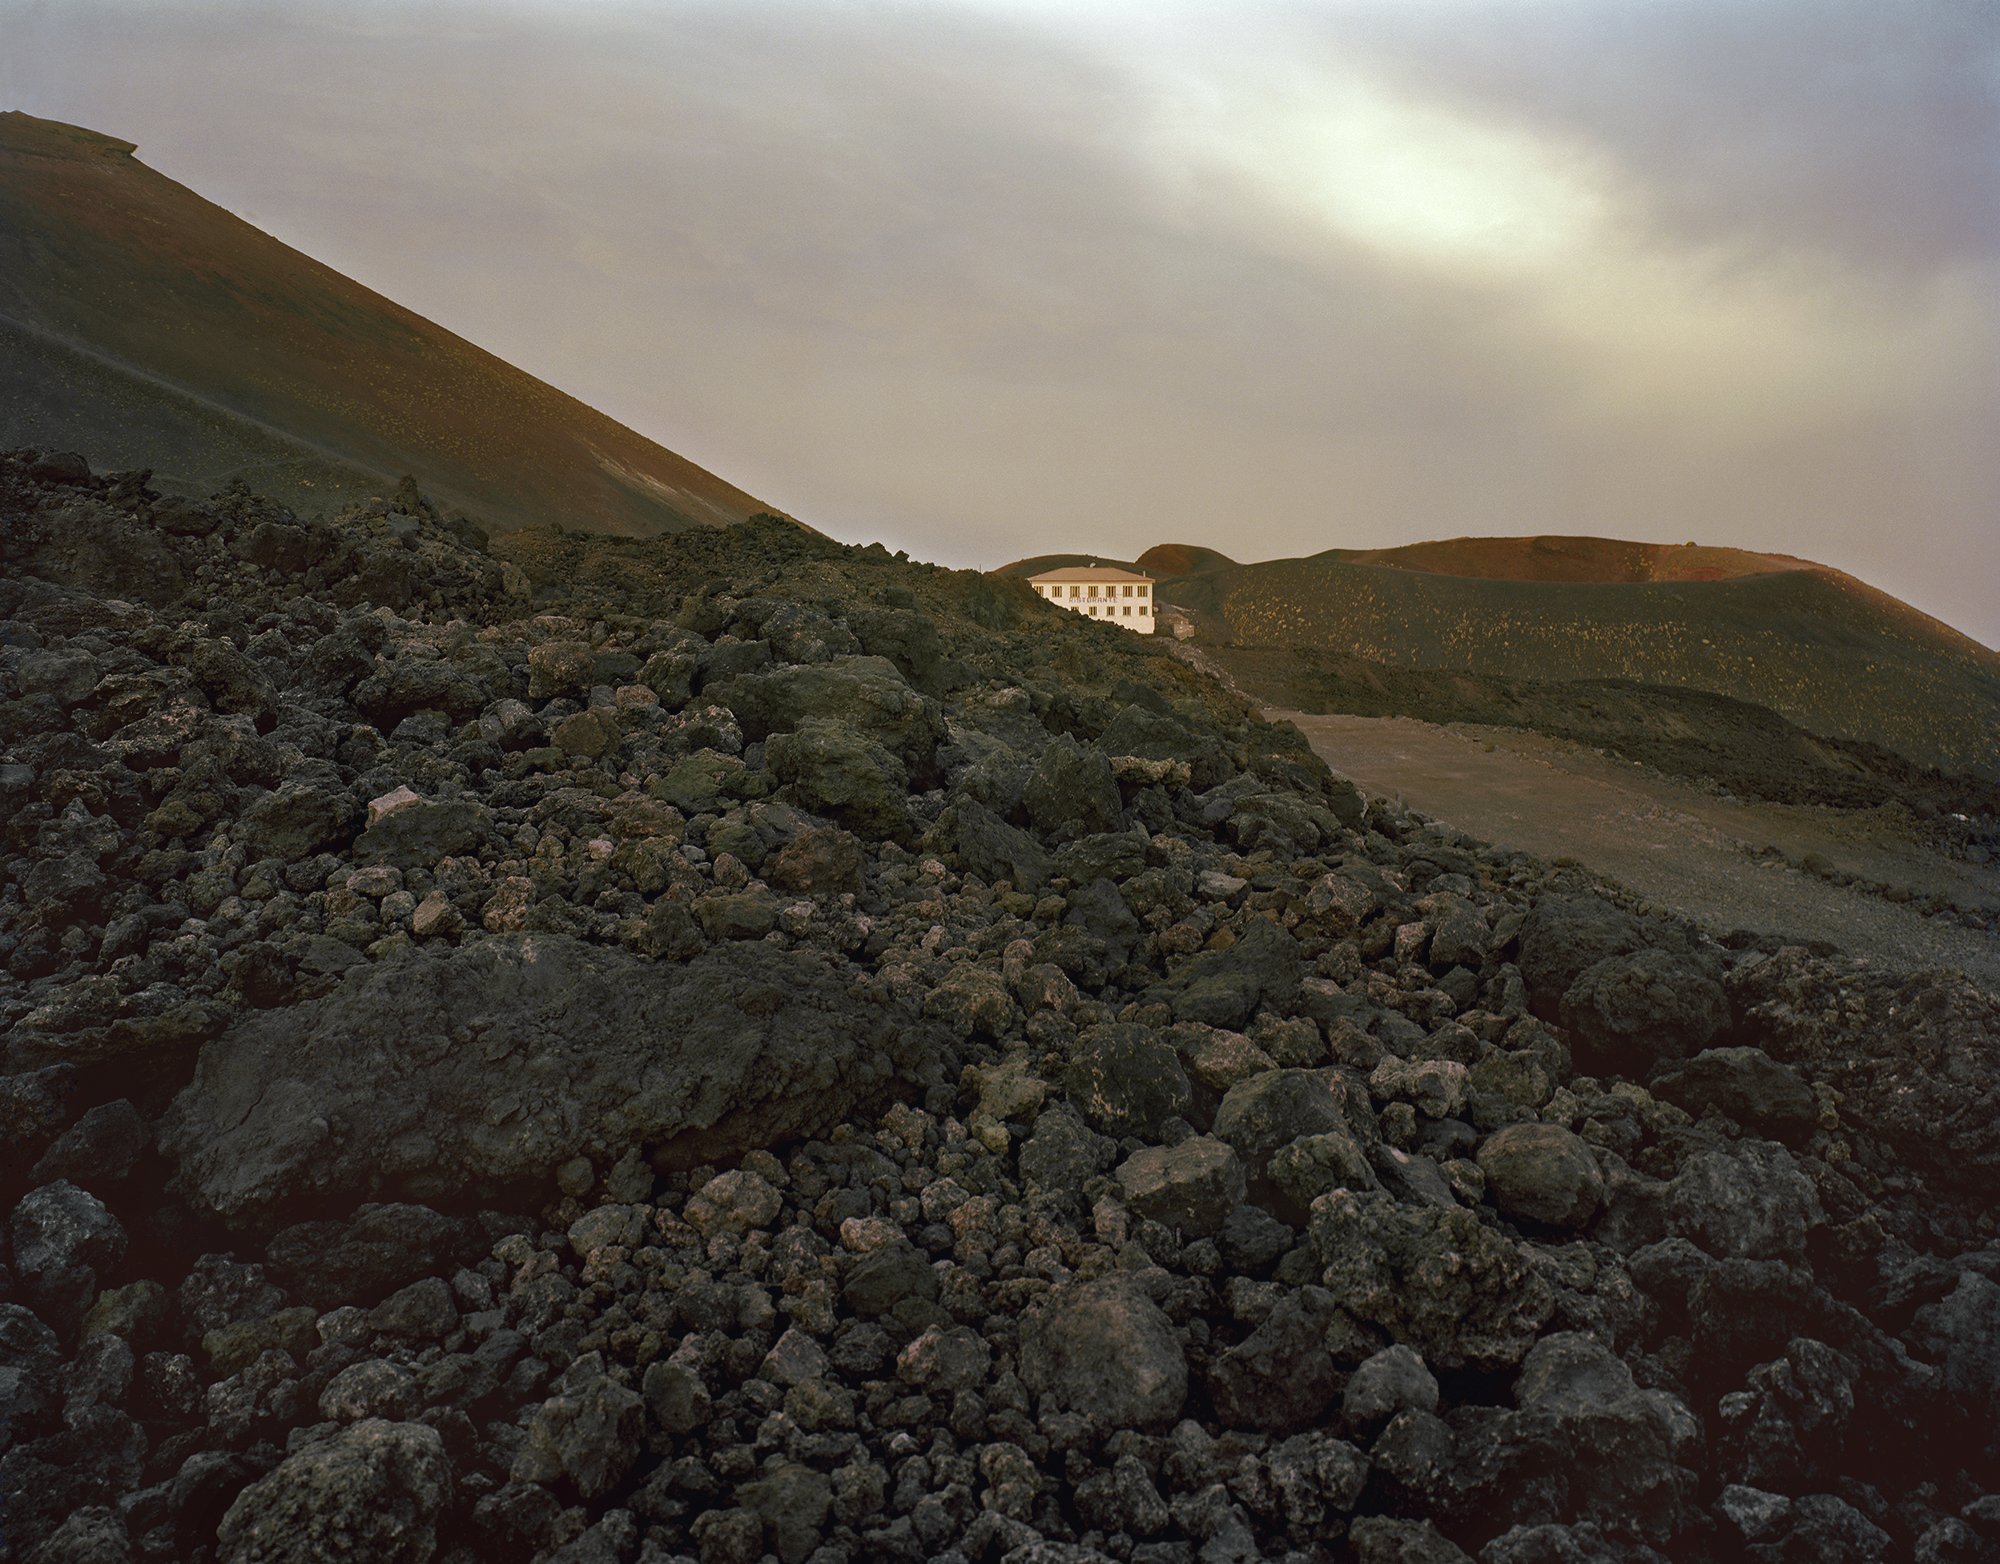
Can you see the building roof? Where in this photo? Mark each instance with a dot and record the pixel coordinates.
(1087, 573)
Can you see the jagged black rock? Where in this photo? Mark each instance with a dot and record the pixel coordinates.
(737, 1046)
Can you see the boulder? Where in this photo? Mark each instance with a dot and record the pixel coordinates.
(65, 1243)
(296, 820)
(1061, 1154)
(1104, 1349)
(1561, 936)
(1961, 1334)
(885, 1277)
(1164, 735)
(1745, 1084)
(587, 1431)
(1915, 1056)
(365, 1256)
(1126, 1081)
(483, 1067)
(371, 1489)
(1391, 1381)
(30, 1362)
(1275, 1108)
(1632, 1451)
(1438, 1280)
(418, 835)
(92, 1535)
(868, 695)
(1280, 1379)
(1542, 1173)
(1790, 1420)
(1302, 1170)
(1625, 1012)
(559, 668)
(792, 1501)
(733, 1202)
(1380, 1539)
(1748, 1200)
(818, 861)
(1435, 1087)
(1191, 1187)
(100, 1149)
(989, 847)
(1225, 987)
(1071, 792)
(974, 1001)
(834, 769)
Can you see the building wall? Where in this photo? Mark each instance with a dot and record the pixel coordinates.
(1127, 604)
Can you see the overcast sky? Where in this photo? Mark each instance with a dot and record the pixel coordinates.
(986, 278)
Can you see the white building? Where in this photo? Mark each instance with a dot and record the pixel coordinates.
(1101, 592)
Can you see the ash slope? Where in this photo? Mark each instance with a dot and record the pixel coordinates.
(1829, 653)
(156, 329)
(731, 1047)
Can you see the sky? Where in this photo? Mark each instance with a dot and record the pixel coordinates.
(990, 278)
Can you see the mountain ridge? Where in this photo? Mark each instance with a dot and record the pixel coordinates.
(1820, 647)
(292, 368)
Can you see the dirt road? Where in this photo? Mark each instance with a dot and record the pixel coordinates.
(1669, 842)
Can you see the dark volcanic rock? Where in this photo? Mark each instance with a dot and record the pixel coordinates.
(868, 694)
(1281, 1378)
(1563, 935)
(1225, 987)
(1543, 1173)
(371, 1490)
(1106, 1350)
(1750, 1199)
(1631, 1448)
(418, 835)
(100, 1149)
(1917, 1057)
(1126, 1080)
(65, 1244)
(1624, 1012)
(1393, 1380)
(1193, 1186)
(498, 1062)
(363, 1257)
(30, 1357)
(833, 768)
(884, 1278)
(991, 848)
(1271, 1109)
(1746, 1084)
(892, 1072)
(297, 820)
(1457, 1291)
(1071, 792)
(587, 1432)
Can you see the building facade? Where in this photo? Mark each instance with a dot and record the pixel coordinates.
(1101, 592)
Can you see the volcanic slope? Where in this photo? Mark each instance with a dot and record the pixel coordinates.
(1832, 654)
(152, 328)
(729, 1044)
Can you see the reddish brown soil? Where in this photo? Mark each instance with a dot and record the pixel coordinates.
(160, 322)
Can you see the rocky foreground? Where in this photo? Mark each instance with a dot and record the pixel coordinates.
(740, 1047)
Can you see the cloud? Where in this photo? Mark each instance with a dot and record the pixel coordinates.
(989, 278)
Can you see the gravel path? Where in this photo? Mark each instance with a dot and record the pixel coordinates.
(1665, 840)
